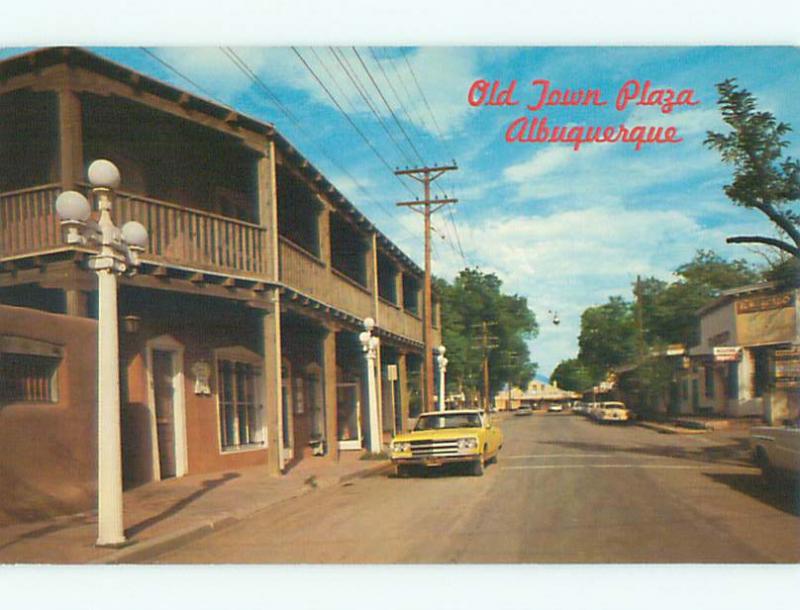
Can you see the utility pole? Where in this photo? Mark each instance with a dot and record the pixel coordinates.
(487, 343)
(426, 175)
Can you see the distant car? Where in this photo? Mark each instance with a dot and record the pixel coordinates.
(442, 437)
(524, 410)
(611, 412)
(776, 450)
(555, 408)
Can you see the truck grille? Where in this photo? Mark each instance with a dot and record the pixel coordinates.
(443, 448)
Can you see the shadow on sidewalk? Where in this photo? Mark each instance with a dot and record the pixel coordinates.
(784, 495)
(207, 486)
(44, 531)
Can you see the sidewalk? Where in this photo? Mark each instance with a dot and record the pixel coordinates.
(166, 514)
(697, 425)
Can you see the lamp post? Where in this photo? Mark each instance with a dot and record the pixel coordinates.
(370, 344)
(117, 254)
(442, 361)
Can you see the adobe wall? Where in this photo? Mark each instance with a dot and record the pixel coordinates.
(48, 450)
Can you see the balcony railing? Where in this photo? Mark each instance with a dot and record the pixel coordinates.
(179, 236)
(308, 274)
(394, 319)
(28, 222)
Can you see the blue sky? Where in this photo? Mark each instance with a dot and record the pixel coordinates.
(565, 229)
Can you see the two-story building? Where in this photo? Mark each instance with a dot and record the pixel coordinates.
(239, 334)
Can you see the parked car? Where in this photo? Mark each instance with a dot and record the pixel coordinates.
(555, 408)
(524, 410)
(611, 412)
(776, 450)
(465, 436)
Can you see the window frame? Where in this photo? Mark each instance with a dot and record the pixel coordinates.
(240, 355)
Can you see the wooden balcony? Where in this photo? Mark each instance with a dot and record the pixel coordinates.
(306, 273)
(179, 236)
(392, 318)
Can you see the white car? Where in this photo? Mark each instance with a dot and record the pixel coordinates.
(612, 412)
(776, 450)
(555, 408)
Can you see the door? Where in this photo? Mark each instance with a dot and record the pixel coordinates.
(164, 396)
(348, 415)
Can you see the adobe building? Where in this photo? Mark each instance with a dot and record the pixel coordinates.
(746, 361)
(239, 334)
(537, 394)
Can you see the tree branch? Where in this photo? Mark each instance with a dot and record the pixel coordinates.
(780, 220)
(769, 241)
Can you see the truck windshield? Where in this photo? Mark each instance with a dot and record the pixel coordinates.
(453, 420)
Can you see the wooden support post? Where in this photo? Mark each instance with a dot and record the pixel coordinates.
(76, 302)
(329, 388)
(70, 138)
(402, 374)
(273, 399)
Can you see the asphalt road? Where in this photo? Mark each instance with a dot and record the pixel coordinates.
(564, 490)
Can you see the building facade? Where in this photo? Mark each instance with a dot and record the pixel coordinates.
(239, 334)
(747, 335)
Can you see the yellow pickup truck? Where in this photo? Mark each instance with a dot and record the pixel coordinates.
(445, 437)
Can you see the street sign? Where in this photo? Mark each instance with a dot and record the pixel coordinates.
(391, 372)
(727, 354)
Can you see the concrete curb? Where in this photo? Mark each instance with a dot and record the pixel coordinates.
(148, 549)
(666, 429)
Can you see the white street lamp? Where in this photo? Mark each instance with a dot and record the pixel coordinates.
(442, 361)
(370, 345)
(118, 253)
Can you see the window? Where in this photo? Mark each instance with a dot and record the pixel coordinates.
(410, 294)
(240, 413)
(28, 370)
(28, 378)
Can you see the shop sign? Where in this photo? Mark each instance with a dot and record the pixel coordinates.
(727, 354)
(754, 304)
(787, 368)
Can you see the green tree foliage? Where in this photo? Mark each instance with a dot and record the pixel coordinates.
(475, 297)
(763, 179)
(608, 337)
(669, 311)
(572, 374)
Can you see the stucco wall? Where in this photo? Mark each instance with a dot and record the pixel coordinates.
(48, 450)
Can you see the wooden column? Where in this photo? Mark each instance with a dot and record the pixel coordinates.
(70, 138)
(272, 391)
(402, 374)
(76, 302)
(268, 213)
(329, 389)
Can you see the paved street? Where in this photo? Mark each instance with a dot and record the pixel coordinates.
(564, 490)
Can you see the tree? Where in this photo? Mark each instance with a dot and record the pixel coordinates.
(475, 297)
(763, 179)
(572, 374)
(608, 337)
(669, 311)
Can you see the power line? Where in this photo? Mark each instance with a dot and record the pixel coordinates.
(388, 107)
(427, 105)
(349, 119)
(242, 65)
(175, 71)
(362, 92)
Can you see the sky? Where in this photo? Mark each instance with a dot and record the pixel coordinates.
(566, 229)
